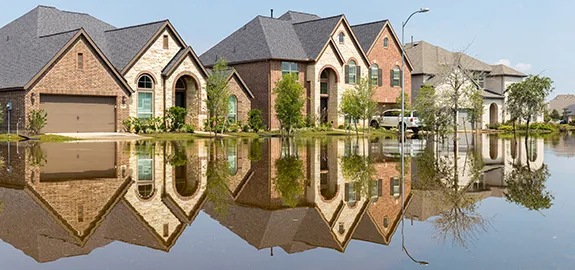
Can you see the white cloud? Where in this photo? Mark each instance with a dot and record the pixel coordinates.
(504, 62)
(523, 67)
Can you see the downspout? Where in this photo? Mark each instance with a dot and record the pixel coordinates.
(164, 89)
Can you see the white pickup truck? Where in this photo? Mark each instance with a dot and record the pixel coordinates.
(392, 118)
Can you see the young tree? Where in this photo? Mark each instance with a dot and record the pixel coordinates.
(350, 107)
(526, 99)
(218, 95)
(290, 102)
(358, 104)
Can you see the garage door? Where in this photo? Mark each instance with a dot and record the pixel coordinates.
(79, 113)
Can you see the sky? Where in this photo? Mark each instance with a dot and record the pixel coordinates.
(535, 37)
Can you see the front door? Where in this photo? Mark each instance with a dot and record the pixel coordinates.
(323, 110)
(181, 99)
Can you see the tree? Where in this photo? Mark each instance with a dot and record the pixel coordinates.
(350, 107)
(289, 103)
(217, 174)
(255, 119)
(405, 98)
(37, 120)
(218, 93)
(526, 187)
(290, 177)
(526, 99)
(357, 103)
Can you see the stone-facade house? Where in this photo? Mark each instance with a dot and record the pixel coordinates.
(383, 48)
(569, 113)
(90, 76)
(323, 52)
(431, 64)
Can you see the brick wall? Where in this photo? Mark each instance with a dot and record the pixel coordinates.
(387, 59)
(244, 102)
(64, 78)
(18, 113)
(276, 76)
(256, 77)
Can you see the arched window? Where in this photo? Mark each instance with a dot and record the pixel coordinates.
(374, 74)
(145, 82)
(352, 72)
(385, 42)
(341, 37)
(396, 76)
(232, 158)
(181, 84)
(233, 109)
(145, 179)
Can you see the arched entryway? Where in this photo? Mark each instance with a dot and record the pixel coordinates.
(328, 96)
(186, 96)
(493, 114)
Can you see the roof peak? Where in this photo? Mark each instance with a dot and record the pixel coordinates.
(320, 19)
(137, 25)
(368, 23)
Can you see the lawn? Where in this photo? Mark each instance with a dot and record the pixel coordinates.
(42, 138)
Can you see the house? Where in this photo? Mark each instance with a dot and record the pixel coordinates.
(560, 102)
(570, 113)
(90, 76)
(431, 64)
(324, 53)
(379, 41)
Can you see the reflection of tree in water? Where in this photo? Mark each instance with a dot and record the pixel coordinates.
(357, 167)
(217, 174)
(37, 156)
(459, 218)
(526, 186)
(290, 177)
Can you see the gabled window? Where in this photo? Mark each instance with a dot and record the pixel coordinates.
(341, 37)
(385, 42)
(289, 67)
(80, 61)
(166, 42)
(395, 77)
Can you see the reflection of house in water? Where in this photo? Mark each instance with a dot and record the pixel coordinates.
(331, 210)
(496, 157)
(62, 200)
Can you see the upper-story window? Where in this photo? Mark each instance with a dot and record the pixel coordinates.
(374, 74)
(385, 42)
(80, 61)
(145, 82)
(395, 76)
(341, 37)
(289, 67)
(352, 72)
(166, 42)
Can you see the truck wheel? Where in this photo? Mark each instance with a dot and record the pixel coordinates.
(404, 127)
(415, 130)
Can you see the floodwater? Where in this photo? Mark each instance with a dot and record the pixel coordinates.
(323, 203)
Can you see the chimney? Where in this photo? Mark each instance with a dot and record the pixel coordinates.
(272, 12)
(411, 39)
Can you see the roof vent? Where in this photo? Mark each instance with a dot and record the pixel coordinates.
(272, 13)
(234, 51)
(7, 38)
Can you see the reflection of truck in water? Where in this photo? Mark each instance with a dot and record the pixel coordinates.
(392, 118)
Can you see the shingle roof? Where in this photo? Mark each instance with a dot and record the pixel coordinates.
(503, 70)
(367, 33)
(28, 43)
(300, 39)
(428, 59)
(491, 94)
(560, 102)
(570, 110)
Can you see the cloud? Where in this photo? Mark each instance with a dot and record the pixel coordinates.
(504, 62)
(523, 67)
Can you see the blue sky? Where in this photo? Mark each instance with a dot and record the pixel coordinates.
(531, 36)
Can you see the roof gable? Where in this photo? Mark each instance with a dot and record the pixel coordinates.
(179, 58)
(296, 16)
(368, 33)
(503, 70)
(315, 35)
(428, 59)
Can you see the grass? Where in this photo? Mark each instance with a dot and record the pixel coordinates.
(173, 136)
(43, 138)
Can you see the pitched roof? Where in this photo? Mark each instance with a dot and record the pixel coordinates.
(560, 102)
(503, 70)
(367, 33)
(570, 110)
(491, 94)
(429, 59)
(294, 36)
(179, 57)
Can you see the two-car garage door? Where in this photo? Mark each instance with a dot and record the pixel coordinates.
(79, 113)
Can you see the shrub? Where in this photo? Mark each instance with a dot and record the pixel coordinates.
(564, 127)
(255, 120)
(341, 127)
(150, 125)
(493, 126)
(506, 128)
(542, 126)
(246, 128)
(37, 119)
(572, 123)
(188, 128)
(308, 121)
(233, 128)
(176, 118)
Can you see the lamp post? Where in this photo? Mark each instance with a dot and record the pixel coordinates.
(402, 144)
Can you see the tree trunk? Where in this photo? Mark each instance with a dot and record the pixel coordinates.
(356, 131)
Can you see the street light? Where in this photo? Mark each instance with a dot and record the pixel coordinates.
(423, 10)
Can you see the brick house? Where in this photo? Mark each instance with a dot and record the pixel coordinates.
(379, 41)
(323, 52)
(89, 76)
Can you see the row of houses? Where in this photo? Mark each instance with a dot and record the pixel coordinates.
(90, 76)
(564, 105)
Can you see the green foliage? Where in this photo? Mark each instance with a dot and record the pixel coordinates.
(359, 170)
(290, 177)
(526, 99)
(308, 121)
(526, 187)
(555, 115)
(36, 156)
(433, 115)
(357, 103)
(218, 93)
(37, 120)
(494, 126)
(290, 102)
(146, 126)
(217, 174)
(255, 153)
(506, 128)
(255, 120)
(178, 157)
(397, 104)
(246, 128)
(188, 129)
(176, 118)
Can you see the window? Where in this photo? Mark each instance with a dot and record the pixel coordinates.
(341, 228)
(374, 74)
(233, 109)
(385, 222)
(352, 72)
(385, 42)
(289, 67)
(166, 42)
(395, 77)
(145, 175)
(80, 61)
(145, 105)
(166, 230)
(145, 82)
(232, 159)
(395, 187)
(341, 37)
(80, 213)
(181, 84)
(323, 85)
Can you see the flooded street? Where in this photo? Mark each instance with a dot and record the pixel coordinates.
(484, 202)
